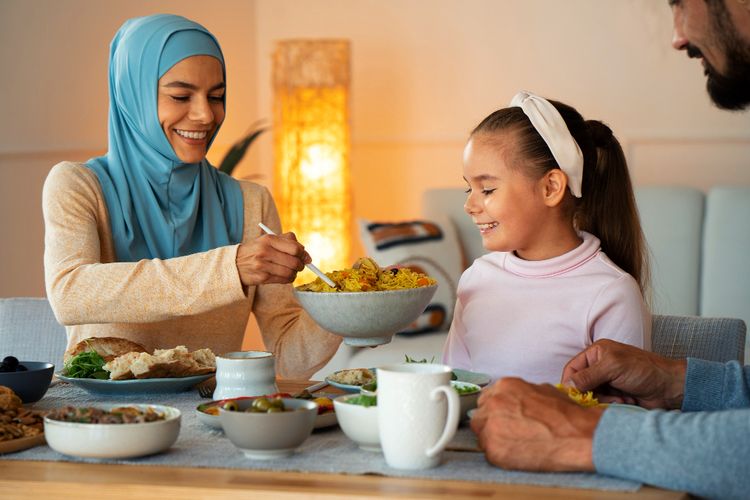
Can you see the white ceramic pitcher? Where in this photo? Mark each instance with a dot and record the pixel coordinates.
(418, 413)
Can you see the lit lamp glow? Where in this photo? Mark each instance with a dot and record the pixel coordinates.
(311, 147)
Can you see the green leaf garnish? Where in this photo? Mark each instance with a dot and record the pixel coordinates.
(87, 364)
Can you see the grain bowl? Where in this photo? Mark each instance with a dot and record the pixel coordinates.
(366, 318)
(114, 440)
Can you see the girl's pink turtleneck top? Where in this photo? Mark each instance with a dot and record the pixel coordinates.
(527, 319)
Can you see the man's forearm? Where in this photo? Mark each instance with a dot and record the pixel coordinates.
(704, 453)
(716, 386)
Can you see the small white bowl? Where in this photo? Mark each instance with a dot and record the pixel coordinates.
(322, 421)
(265, 436)
(114, 440)
(359, 423)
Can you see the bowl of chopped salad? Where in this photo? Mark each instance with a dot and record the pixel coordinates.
(468, 395)
(369, 303)
(358, 418)
(112, 430)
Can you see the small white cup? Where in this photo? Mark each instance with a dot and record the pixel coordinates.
(416, 422)
(245, 373)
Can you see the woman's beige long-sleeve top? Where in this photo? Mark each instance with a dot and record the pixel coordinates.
(196, 300)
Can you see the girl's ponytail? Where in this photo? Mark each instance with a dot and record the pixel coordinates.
(608, 207)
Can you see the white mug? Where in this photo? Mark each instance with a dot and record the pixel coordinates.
(418, 413)
(245, 373)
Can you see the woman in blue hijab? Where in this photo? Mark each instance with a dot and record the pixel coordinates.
(153, 244)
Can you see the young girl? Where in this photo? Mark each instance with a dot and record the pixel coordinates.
(551, 196)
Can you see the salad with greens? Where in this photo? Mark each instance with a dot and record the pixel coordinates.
(363, 400)
(87, 364)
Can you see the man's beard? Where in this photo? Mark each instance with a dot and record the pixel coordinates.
(732, 89)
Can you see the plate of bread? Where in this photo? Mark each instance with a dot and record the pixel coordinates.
(110, 365)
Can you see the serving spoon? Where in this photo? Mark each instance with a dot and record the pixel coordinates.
(310, 266)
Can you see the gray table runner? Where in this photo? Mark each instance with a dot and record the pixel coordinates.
(327, 450)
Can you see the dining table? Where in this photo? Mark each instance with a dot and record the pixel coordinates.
(24, 476)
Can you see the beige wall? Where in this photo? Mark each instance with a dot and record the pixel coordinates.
(424, 73)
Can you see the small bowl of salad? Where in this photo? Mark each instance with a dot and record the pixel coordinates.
(468, 396)
(358, 418)
(112, 430)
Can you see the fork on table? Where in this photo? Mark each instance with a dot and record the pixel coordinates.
(206, 390)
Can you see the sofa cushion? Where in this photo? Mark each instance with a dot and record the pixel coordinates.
(726, 244)
(430, 247)
(672, 220)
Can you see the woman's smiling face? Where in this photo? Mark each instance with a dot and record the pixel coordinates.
(191, 105)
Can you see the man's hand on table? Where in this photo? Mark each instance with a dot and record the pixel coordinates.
(534, 427)
(621, 373)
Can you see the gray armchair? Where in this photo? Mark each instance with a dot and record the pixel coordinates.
(714, 339)
(30, 332)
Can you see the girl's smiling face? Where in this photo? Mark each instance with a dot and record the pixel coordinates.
(191, 105)
(507, 206)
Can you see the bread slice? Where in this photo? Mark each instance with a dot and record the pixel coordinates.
(107, 347)
(149, 366)
(119, 368)
(135, 362)
(175, 362)
(206, 361)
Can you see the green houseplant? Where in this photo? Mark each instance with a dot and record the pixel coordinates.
(239, 148)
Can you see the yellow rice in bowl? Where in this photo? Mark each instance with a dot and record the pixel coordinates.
(367, 276)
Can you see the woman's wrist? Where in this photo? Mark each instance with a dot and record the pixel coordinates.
(241, 250)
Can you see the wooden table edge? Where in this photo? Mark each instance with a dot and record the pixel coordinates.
(37, 479)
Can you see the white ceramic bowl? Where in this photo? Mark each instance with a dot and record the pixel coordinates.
(366, 318)
(359, 423)
(114, 440)
(264, 436)
(467, 401)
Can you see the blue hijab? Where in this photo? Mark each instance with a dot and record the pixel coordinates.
(158, 206)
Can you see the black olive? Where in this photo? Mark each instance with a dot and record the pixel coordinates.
(10, 361)
(21, 368)
(394, 271)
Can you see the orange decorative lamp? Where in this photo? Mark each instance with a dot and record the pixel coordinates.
(311, 147)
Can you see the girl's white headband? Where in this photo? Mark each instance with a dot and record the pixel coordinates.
(550, 124)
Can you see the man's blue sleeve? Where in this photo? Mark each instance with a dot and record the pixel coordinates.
(706, 453)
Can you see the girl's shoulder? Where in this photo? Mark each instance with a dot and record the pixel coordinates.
(488, 263)
(610, 267)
